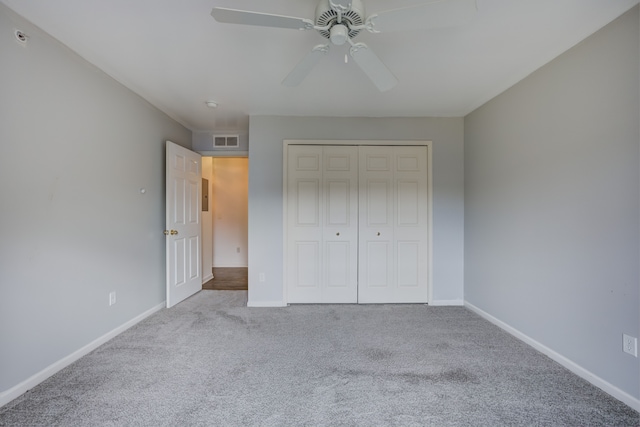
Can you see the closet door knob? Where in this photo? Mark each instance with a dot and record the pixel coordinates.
(378, 233)
(338, 233)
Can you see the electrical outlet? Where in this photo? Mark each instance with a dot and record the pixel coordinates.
(262, 277)
(630, 345)
(112, 298)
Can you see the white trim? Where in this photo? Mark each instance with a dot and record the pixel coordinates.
(446, 302)
(430, 224)
(607, 387)
(285, 219)
(425, 143)
(26, 385)
(391, 142)
(266, 304)
(223, 153)
(206, 278)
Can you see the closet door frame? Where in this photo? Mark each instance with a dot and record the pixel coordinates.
(285, 154)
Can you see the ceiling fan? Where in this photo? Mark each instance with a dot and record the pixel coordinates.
(342, 20)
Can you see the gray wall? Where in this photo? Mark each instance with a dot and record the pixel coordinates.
(552, 204)
(203, 141)
(76, 149)
(265, 191)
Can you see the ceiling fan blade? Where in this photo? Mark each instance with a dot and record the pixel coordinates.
(373, 67)
(234, 16)
(304, 67)
(436, 14)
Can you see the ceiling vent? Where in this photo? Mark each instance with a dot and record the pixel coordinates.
(225, 141)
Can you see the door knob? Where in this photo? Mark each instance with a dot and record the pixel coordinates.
(378, 233)
(172, 232)
(338, 233)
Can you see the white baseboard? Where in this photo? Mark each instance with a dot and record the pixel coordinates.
(567, 363)
(18, 390)
(446, 302)
(206, 278)
(266, 304)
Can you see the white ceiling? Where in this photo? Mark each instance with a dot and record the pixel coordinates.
(176, 56)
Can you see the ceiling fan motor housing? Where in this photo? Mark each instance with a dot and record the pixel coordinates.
(326, 16)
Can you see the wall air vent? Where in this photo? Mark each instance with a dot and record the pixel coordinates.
(225, 141)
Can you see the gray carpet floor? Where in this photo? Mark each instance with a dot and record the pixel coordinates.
(211, 361)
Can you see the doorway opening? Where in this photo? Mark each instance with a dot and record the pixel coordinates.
(225, 223)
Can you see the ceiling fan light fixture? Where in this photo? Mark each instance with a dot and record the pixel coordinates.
(339, 34)
(211, 104)
(340, 21)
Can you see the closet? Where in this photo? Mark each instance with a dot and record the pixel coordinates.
(356, 224)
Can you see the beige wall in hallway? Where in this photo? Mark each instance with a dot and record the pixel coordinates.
(229, 208)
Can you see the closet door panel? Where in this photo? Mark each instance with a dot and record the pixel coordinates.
(410, 228)
(376, 220)
(377, 268)
(340, 232)
(338, 259)
(304, 217)
(393, 216)
(322, 209)
(308, 198)
(408, 264)
(306, 266)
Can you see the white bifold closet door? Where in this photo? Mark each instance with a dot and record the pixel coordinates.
(393, 241)
(322, 214)
(357, 224)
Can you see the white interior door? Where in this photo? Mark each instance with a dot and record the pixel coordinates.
(183, 225)
(393, 225)
(322, 229)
